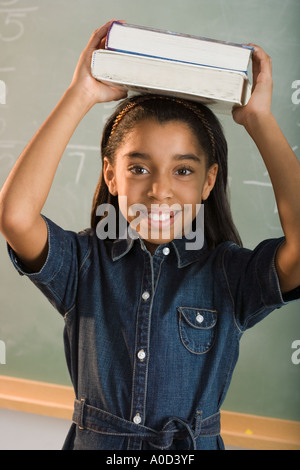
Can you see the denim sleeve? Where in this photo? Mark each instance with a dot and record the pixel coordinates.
(58, 278)
(253, 282)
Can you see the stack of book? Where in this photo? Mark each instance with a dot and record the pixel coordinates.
(147, 60)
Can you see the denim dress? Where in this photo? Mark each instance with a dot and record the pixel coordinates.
(151, 341)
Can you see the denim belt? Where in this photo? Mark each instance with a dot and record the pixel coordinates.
(97, 420)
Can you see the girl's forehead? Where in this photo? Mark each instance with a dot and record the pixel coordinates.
(152, 123)
(153, 133)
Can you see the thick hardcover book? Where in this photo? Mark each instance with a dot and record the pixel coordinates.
(123, 37)
(218, 88)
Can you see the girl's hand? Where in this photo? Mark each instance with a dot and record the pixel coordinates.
(260, 101)
(83, 81)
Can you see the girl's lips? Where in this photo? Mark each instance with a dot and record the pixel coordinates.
(159, 220)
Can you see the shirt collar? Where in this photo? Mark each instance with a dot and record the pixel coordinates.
(187, 251)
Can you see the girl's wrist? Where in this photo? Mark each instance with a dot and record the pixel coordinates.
(82, 97)
(257, 121)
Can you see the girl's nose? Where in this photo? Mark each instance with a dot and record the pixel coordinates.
(160, 189)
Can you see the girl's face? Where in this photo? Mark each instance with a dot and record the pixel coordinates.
(160, 177)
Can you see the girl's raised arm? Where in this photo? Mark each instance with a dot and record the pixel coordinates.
(282, 165)
(26, 189)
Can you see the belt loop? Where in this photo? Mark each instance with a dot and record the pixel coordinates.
(198, 423)
(81, 414)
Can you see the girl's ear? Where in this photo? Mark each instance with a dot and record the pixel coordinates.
(211, 177)
(109, 176)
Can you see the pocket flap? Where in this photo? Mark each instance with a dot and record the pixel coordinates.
(199, 318)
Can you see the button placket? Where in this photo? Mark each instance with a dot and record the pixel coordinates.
(151, 272)
(141, 358)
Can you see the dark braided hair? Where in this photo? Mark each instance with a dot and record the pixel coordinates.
(218, 223)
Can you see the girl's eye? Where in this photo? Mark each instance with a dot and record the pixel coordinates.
(184, 171)
(138, 170)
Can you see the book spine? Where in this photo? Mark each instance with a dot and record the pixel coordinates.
(108, 34)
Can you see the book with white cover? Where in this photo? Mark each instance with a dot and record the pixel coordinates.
(128, 38)
(220, 89)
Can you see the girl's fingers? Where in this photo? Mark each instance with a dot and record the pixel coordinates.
(261, 58)
(97, 40)
(98, 35)
(261, 66)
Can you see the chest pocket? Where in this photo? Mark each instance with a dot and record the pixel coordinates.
(197, 328)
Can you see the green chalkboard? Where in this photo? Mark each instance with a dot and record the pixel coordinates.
(40, 42)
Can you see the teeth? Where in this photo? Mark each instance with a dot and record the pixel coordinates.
(160, 217)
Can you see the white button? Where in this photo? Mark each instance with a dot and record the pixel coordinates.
(145, 295)
(137, 419)
(141, 354)
(199, 318)
(166, 251)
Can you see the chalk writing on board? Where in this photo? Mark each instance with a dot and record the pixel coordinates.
(81, 156)
(11, 16)
(2, 352)
(263, 184)
(10, 150)
(259, 183)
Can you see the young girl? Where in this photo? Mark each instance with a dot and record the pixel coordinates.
(152, 327)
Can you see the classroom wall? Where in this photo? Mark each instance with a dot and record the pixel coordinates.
(40, 42)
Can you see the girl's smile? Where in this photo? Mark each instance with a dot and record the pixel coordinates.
(160, 222)
(161, 167)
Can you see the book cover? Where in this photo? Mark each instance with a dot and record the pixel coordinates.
(142, 40)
